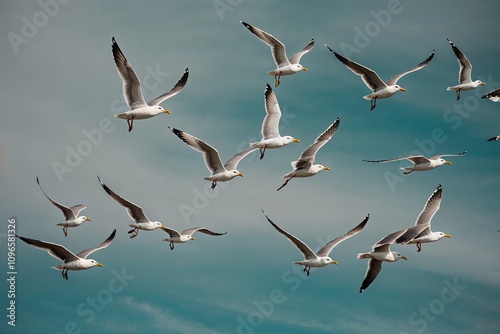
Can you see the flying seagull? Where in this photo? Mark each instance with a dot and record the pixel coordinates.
(186, 235)
(70, 214)
(380, 252)
(70, 260)
(271, 137)
(219, 171)
(321, 258)
(141, 222)
(421, 232)
(464, 74)
(421, 163)
(381, 90)
(494, 95)
(284, 66)
(304, 166)
(138, 108)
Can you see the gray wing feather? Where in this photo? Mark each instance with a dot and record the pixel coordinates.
(326, 249)
(134, 211)
(302, 247)
(416, 159)
(270, 125)
(173, 233)
(233, 162)
(83, 254)
(295, 59)
(210, 154)
(369, 77)
(190, 231)
(277, 48)
(55, 250)
(69, 213)
(131, 83)
(394, 79)
(465, 71)
(449, 155)
(383, 244)
(430, 208)
(308, 156)
(174, 91)
(373, 269)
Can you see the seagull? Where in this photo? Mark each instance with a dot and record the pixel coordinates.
(421, 163)
(321, 258)
(141, 222)
(304, 166)
(284, 66)
(421, 232)
(381, 90)
(186, 235)
(138, 108)
(494, 138)
(271, 137)
(494, 95)
(380, 252)
(464, 74)
(70, 214)
(219, 171)
(70, 260)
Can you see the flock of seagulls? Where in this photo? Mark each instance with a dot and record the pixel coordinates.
(271, 139)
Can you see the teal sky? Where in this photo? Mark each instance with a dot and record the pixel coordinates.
(59, 86)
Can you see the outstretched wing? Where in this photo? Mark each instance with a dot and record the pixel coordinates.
(394, 79)
(134, 211)
(277, 48)
(190, 231)
(270, 125)
(55, 250)
(308, 157)
(326, 249)
(430, 208)
(233, 162)
(174, 91)
(302, 247)
(464, 74)
(83, 254)
(449, 155)
(131, 83)
(369, 77)
(69, 213)
(493, 95)
(171, 232)
(210, 154)
(416, 159)
(373, 269)
(295, 59)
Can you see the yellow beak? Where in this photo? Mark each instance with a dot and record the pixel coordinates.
(241, 174)
(447, 162)
(166, 111)
(100, 265)
(402, 89)
(334, 262)
(304, 69)
(296, 140)
(447, 236)
(404, 258)
(192, 238)
(87, 218)
(326, 168)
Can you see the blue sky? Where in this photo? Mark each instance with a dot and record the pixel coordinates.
(60, 85)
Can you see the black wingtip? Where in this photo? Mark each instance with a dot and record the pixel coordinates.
(37, 180)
